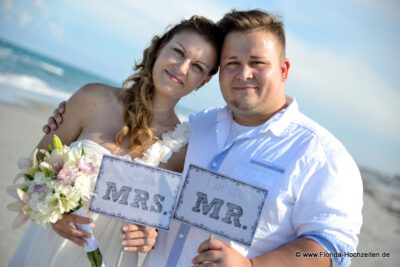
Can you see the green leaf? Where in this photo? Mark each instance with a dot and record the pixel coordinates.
(82, 152)
(29, 177)
(47, 172)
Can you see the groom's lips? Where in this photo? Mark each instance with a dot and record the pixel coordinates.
(245, 87)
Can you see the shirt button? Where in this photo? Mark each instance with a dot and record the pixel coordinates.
(180, 236)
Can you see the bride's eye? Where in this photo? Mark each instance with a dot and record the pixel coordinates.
(179, 52)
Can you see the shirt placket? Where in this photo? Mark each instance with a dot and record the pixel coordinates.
(214, 165)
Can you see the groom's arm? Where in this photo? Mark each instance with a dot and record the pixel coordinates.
(75, 112)
(56, 119)
(216, 251)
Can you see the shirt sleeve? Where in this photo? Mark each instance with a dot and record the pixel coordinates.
(328, 205)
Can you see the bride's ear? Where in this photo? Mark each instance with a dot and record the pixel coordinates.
(206, 80)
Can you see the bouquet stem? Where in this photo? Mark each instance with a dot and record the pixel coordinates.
(91, 247)
(95, 258)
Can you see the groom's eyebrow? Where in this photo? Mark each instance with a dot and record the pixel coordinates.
(197, 61)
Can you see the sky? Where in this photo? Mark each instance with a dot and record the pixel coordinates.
(343, 54)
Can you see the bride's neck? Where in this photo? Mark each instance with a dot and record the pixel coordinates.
(164, 113)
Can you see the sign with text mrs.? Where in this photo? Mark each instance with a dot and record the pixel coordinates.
(135, 192)
(220, 205)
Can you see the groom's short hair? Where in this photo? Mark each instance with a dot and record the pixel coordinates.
(251, 20)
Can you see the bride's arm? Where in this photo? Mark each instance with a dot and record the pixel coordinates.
(77, 114)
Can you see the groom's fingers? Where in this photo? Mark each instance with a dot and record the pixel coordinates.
(61, 107)
(46, 129)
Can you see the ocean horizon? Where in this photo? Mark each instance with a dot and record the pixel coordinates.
(28, 78)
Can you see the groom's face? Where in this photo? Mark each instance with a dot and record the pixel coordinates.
(252, 74)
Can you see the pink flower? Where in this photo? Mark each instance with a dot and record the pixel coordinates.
(56, 160)
(86, 167)
(22, 198)
(66, 175)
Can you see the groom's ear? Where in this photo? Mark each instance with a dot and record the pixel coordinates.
(206, 80)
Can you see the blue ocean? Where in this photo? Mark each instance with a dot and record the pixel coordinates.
(28, 79)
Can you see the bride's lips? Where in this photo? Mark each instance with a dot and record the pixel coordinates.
(173, 77)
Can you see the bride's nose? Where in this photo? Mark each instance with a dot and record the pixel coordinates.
(183, 67)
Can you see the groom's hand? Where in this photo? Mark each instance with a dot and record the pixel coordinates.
(54, 121)
(214, 252)
(138, 238)
(65, 227)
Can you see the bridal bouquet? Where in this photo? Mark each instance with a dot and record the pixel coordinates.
(60, 180)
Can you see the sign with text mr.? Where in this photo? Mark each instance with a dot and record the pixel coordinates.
(136, 193)
(220, 205)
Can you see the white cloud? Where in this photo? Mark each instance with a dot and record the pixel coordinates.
(24, 18)
(39, 3)
(56, 30)
(7, 5)
(389, 9)
(134, 21)
(345, 87)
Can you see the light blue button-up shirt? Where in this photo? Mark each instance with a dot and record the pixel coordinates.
(314, 186)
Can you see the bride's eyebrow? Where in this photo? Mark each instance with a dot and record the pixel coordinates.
(183, 48)
(197, 61)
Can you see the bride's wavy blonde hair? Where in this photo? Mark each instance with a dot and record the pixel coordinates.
(139, 88)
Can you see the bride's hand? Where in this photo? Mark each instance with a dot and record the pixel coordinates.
(56, 119)
(65, 228)
(138, 238)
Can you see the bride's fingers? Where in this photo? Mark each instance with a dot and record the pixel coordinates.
(73, 218)
(79, 241)
(145, 232)
(73, 232)
(131, 228)
(139, 244)
(64, 227)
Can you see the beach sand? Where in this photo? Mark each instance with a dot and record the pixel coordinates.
(21, 131)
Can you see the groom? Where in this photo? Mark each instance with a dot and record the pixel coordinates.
(315, 190)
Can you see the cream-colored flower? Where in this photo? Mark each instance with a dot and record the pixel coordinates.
(171, 142)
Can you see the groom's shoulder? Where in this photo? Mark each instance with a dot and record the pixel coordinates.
(207, 115)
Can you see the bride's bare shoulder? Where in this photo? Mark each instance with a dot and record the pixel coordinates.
(97, 94)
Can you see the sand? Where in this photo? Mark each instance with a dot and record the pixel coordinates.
(21, 131)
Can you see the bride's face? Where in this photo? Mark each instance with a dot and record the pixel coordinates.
(183, 64)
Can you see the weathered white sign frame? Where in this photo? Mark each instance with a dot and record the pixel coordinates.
(135, 192)
(220, 205)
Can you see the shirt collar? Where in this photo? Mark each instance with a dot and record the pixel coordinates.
(277, 124)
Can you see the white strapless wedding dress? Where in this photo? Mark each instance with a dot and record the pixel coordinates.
(41, 247)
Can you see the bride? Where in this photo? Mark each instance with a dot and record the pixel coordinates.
(106, 120)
